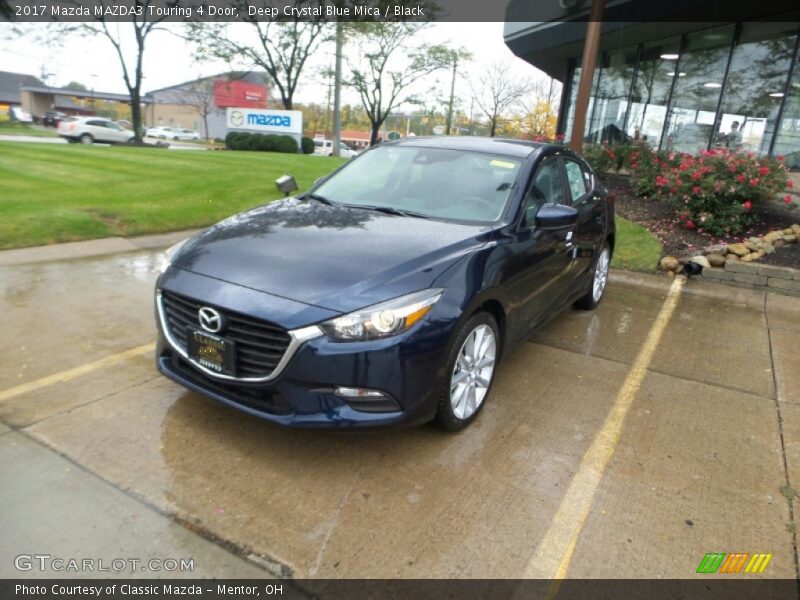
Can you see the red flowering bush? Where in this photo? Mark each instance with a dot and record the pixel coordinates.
(716, 190)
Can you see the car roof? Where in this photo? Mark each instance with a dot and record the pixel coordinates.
(516, 148)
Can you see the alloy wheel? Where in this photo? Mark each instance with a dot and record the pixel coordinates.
(473, 371)
(600, 275)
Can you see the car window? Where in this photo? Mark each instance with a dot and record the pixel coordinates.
(546, 188)
(96, 123)
(112, 125)
(439, 183)
(575, 180)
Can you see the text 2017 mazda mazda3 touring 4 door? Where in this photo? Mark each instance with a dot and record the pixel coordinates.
(388, 293)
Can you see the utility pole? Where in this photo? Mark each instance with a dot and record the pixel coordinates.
(337, 90)
(452, 94)
(594, 29)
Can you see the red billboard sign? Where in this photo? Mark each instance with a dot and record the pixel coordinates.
(239, 93)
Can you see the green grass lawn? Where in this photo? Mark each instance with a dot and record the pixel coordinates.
(57, 193)
(15, 128)
(60, 193)
(636, 248)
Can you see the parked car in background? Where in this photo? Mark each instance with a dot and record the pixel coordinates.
(87, 130)
(324, 147)
(187, 134)
(160, 132)
(20, 115)
(172, 133)
(388, 292)
(52, 118)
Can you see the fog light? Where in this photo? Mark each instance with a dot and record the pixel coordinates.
(365, 400)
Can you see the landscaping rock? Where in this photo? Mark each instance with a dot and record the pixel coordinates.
(731, 257)
(738, 249)
(796, 229)
(716, 260)
(774, 236)
(778, 243)
(716, 249)
(790, 238)
(787, 231)
(670, 263)
(753, 246)
(749, 257)
(702, 261)
(755, 240)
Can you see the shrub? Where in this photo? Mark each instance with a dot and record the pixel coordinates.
(307, 144)
(600, 158)
(266, 142)
(285, 143)
(233, 140)
(716, 190)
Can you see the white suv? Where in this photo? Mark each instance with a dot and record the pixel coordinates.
(325, 148)
(87, 130)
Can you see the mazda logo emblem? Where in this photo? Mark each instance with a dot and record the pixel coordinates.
(210, 319)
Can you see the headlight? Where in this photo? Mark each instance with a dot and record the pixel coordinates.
(383, 320)
(166, 258)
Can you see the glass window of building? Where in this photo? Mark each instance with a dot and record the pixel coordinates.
(573, 96)
(651, 88)
(693, 107)
(611, 101)
(787, 142)
(755, 86)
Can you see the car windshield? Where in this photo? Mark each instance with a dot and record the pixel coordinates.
(434, 182)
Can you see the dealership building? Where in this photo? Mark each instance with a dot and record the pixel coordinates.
(672, 82)
(183, 105)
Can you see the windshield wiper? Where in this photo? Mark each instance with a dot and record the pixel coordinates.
(390, 210)
(319, 198)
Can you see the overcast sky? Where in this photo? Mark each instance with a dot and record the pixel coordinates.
(168, 60)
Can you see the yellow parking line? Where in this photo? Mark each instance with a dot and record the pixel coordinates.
(554, 553)
(69, 374)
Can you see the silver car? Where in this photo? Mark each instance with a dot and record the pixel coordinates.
(88, 130)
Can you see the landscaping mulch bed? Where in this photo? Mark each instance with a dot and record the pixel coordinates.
(659, 219)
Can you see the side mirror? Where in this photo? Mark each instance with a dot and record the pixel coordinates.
(556, 216)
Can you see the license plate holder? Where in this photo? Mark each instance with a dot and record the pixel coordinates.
(215, 353)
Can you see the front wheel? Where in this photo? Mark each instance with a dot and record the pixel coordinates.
(85, 139)
(599, 280)
(469, 372)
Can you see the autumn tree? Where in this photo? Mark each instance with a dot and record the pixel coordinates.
(281, 48)
(496, 90)
(389, 61)
(128, 41)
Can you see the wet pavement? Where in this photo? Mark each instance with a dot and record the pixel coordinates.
(704, 460)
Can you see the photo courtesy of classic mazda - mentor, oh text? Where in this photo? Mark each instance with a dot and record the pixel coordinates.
(389, 292)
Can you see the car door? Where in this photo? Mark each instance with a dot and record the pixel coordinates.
(544, 254)
(115, 132)
(587, 198)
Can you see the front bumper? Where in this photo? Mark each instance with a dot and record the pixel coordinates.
(405, 368)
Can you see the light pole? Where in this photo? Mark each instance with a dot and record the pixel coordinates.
(337, 90)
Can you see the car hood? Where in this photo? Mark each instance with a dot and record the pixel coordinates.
(333, 257)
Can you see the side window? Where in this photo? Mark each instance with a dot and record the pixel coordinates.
(576, 180)
(96, 123)
(546, 188)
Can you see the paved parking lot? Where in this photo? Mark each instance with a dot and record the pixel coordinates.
(627, 442)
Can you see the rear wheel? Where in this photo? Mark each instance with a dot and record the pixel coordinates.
(86, 139)
(469, 372)
(599, 279)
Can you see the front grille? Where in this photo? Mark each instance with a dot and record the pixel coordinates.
(260, 345)
(258, 399)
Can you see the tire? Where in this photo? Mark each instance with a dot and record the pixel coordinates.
(597, 286)
(461, 394)
(86, 139)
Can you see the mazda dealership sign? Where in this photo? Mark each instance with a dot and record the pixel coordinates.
(286, 122)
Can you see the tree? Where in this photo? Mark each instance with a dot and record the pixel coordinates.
(199, 95)
(280, 48)
(119, 35)
(379, 79)
(76, 85)
(537, 119)
(496, 91)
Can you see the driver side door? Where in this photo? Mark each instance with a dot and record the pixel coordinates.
(545, 256)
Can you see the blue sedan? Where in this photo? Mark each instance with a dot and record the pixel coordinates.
(388, 292)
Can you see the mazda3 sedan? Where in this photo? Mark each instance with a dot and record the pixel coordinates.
(389, 291)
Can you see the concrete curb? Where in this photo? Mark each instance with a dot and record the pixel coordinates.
(91, 248)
